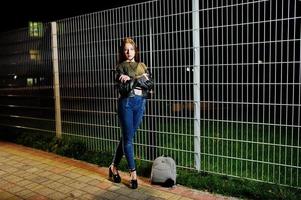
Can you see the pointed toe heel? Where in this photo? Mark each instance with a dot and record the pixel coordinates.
(116, 178)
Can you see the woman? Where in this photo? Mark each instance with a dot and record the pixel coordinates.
(133, 82)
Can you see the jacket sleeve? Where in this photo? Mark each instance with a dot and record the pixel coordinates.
(123, 88)
(147, 84)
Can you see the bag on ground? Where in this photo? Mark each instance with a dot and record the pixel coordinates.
(164, 171)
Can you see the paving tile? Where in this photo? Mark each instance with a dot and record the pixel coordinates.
(92, 189)
(65, 180)
(14, 189)
(122, 197)
(32, 170)
(56, 170)
(88, 197)
(114, 187)
(38, 197)
(104, 185)
(78, 185)
(85, 179)
(81, 171)
(55, 185)
(57, 196)
(77, 193)
(9, 169)
(72, 175)
(122, 191)
(5, 195)
(12, 178)
(25, 193)
(39, 179)
(7, 186)
(47, 173)
(64, 189)
(107, 194)
(136, 194)
(31, 185)
(55, 177)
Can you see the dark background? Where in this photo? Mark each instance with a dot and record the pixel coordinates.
(17, 14)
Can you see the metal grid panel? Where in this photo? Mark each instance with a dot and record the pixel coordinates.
(26, 94)
(88, 47)
(251, 90)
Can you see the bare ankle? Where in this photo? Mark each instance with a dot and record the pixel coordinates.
(114, 169)
(133, 175)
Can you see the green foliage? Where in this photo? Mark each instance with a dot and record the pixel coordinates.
(68, 146)
(35, 140)
(98, 158)
(236, 187)
(143, 168)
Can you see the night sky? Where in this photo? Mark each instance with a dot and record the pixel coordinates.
(17, 14)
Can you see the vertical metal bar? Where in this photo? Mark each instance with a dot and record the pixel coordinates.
(236, 64)
(247, 85)
(232, 84)
(296, 104)
(293, 92)
(222, 86)
(56, 83)
(264, 61)
(217, 99)
(275, 92)
(258, 88)
(299, 108)
(196, 82)
(287, 95)
(269, 87)
(281, 104)
(226, 82)
(242, 91)
(212, 65)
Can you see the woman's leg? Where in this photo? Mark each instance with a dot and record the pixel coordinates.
(118, 154)
(138, 112)
(131, 112)
(125, 113)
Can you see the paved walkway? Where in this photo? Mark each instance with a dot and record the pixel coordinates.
(27, 173)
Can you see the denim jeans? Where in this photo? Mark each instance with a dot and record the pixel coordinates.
(130, 113)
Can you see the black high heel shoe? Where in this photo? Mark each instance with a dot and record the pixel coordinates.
(134, 182)
(116, 178)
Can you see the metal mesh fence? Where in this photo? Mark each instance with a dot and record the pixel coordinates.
(227, 93)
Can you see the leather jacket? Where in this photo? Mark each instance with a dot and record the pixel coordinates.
(127, 89)
(137, 81)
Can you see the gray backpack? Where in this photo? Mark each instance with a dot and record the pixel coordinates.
(164, 171)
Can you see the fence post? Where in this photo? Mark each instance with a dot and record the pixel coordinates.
(56, 84)
(196, 82)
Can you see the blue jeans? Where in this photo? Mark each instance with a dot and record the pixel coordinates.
(130, 113)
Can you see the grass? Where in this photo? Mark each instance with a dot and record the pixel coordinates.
(263, 153)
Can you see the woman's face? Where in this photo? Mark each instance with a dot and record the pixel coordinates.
(129, 52)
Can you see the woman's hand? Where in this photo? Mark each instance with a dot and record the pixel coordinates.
(146, 76)
(124, 78)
